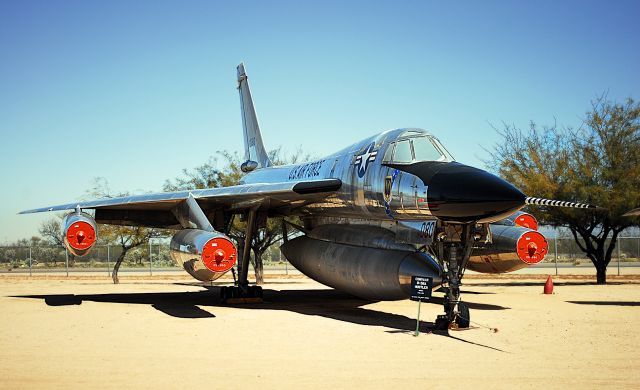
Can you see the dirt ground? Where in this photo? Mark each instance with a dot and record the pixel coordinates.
(161, 333)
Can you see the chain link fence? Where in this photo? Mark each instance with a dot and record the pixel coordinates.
(100, 258)
(564, 255)
(154, 257)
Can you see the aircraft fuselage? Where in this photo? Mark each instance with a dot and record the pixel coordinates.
(386, 177)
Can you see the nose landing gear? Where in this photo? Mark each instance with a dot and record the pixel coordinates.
(453, 247)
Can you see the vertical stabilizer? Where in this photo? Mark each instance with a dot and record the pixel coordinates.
(254, 152)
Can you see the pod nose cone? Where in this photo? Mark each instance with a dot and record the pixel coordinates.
(461, 193)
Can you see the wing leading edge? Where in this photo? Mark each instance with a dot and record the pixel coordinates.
(154, 210)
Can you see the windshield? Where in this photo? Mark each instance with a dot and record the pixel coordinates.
(425, 150)
(414, 149)
(403, 152)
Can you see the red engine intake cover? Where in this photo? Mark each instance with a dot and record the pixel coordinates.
(81, 235)
(219, 254)
(527, 220)
(532, 247)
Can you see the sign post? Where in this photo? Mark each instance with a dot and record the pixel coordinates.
(421, 287)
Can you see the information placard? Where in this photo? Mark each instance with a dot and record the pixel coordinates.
(421, 287)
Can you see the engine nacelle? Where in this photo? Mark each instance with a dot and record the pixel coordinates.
(204, 255)
(513, 248)
(80, 232)
(370, 273)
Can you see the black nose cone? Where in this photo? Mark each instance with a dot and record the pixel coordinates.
(461, 193)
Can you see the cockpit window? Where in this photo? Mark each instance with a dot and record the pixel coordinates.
(403, 153)
(389, 152)
(443, 149)
(421, 148)
(425, 150)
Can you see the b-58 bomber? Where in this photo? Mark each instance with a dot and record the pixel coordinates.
(374, 214)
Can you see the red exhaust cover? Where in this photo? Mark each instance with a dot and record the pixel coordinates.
(527, 220)
(532, 247)
(219, 254)
(81, 235)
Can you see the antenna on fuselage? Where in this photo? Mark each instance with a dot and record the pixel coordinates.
(255, 154)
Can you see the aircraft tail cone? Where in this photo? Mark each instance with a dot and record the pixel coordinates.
(548, 286)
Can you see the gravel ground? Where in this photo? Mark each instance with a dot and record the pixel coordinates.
(76, 332)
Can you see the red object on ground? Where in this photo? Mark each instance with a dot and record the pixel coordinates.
(219, 254)
(548, 286)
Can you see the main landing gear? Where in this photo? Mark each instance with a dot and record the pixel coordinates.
(454, 243)
(242, 292)
(235, 294)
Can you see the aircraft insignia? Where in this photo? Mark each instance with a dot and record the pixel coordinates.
(363, 160)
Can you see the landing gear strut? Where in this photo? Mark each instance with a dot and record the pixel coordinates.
(454, 245)
(241, 292)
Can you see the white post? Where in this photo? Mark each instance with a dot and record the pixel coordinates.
(29, 261)
(66, 262)
(108, 261)
(150, 272)
(619, 242)
(555, 244)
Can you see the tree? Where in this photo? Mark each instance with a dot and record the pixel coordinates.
(51, 230)
(126, 237)
(598, 163)
(35, 241)
(10, 256)
(268, 230)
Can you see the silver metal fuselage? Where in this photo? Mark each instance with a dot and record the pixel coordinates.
(359, 197)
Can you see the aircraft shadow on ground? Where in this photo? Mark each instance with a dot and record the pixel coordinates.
(606, 303)
(324, 303)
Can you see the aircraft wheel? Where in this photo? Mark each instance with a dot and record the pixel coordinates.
(223, 293)
(254, 292)
(228, 292)
(463, 318)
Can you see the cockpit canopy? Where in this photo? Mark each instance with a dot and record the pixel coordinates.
(411, 147)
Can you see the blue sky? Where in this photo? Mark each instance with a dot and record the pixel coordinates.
(134, 91)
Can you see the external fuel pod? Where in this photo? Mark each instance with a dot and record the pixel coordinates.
(204, 255)
(80, 232)
(370, 273)
(513, 248)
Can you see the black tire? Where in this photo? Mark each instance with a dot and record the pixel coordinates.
(223, 294)
(463, 318)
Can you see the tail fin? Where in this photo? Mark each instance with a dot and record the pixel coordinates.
(254, 152)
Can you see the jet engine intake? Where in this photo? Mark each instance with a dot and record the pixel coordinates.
(513, 248)
(80, 232)
(203, 254)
